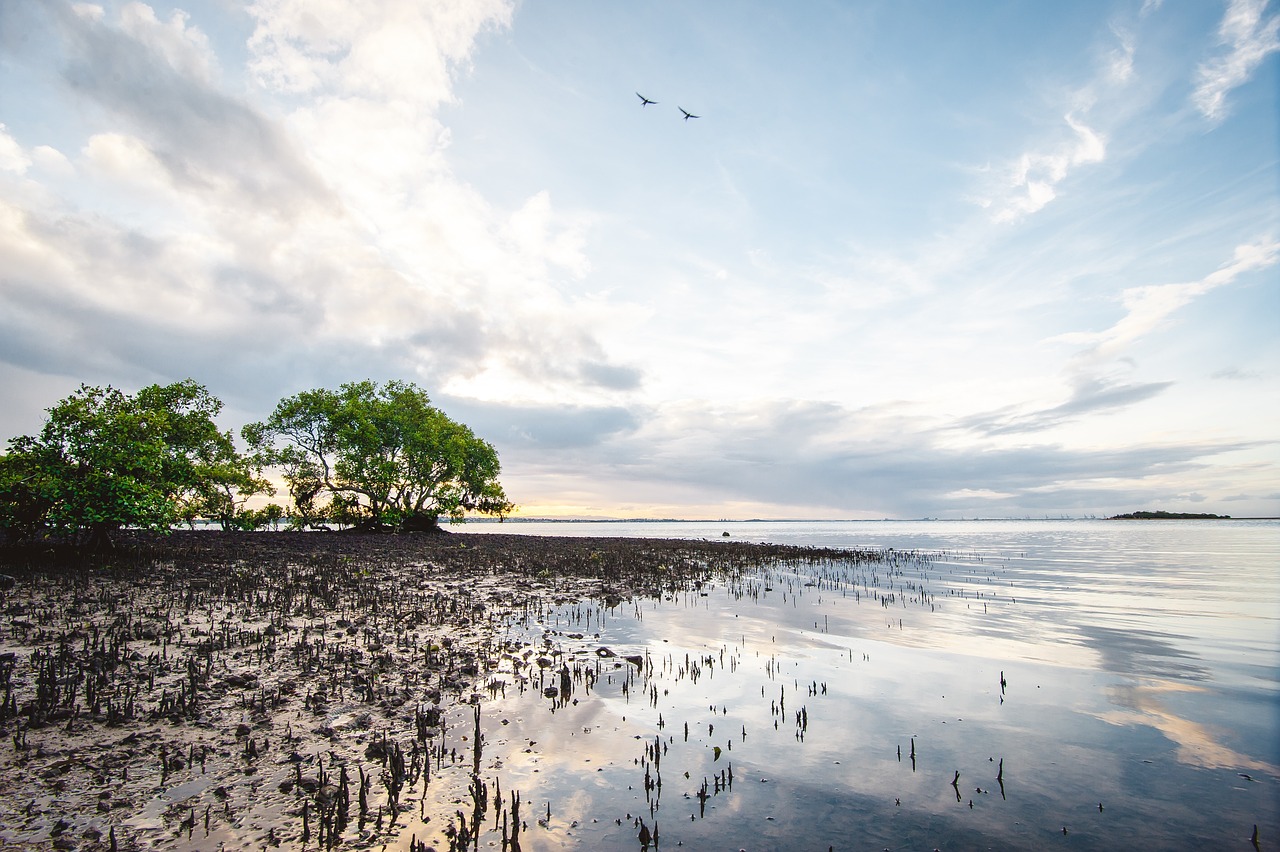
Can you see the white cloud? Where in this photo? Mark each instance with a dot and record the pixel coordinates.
(204, 221)
(124, 157)
(1147, 308)
(156, 81)
(1248, 38)
(372, 76)
(12, 157)
(534, 231)
(52, 160)
(89, 11)
(185, 48)
(1120, 60)
(1093, 110)
(1034, 178)
(962, 494)
(381, 49)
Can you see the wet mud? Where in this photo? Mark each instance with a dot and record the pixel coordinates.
(211, 690)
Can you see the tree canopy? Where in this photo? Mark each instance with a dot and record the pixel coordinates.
(106, 460)
(367, 455)
(378, 457)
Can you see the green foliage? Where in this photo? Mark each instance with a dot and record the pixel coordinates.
(366, 455)
(269, 515)
(381, 455)
(229, 480)
(23, 503)
(106, 460)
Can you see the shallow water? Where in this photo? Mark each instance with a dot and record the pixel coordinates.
(1140, 703)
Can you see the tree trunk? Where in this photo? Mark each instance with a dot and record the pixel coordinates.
(420, 523)
(99, 538)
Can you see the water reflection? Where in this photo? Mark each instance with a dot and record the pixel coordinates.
(1197, 744)
(848, 706)
(1139, 652)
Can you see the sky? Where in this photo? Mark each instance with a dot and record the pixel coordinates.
(911, 259)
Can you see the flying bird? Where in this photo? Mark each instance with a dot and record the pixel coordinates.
(687, 115)
(644, 102)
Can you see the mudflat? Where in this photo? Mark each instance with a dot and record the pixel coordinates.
(209, 690)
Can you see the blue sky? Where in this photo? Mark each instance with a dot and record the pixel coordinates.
(913, 259)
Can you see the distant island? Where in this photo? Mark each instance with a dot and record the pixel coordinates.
(1167, 516)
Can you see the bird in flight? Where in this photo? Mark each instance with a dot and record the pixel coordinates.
(687, 115)
(644, 102)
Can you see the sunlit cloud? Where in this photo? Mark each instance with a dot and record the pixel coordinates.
(12, 157)
(382, 50)
(1246, 38)
(336, 224)
(124, 157)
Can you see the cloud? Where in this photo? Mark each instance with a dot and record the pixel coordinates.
(541, 428)
(119, 156)
(1148, 308)
(1090, 396)
(878, 461)
(1034, 178)
(1120, 59)
(1030, 181)
(533, 230)
(265, 246)
(12, 157)
(1093, 392)
(379, 50)
(160, 78)
(613, 376)
(1237, 374)
(373, 76)
(970, 495)
(1246, 38)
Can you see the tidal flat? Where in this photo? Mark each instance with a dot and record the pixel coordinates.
(248, 691)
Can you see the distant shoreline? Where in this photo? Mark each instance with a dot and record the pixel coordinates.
(1171, 516)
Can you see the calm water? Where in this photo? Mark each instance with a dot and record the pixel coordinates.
(1119, 680)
